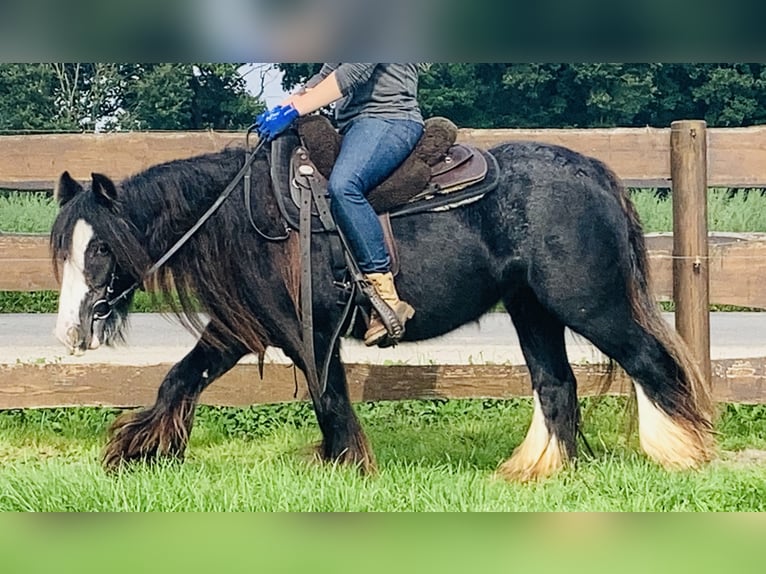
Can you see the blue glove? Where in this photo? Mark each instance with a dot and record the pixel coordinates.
(273, 122)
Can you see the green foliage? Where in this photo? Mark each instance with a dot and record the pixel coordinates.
(89, 97)
(586, 95)
(27, 212)
(186, 96)
(742, 426)
(29, 302)
(84, 96)
(47, 302)
(727, 211)
(296, 74)
(25, 97)
(733, 95)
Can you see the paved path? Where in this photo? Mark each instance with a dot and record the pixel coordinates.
(154, 339)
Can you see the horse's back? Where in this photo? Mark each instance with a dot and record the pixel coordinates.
(548, 191)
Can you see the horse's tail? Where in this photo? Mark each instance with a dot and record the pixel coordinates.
(689, 395)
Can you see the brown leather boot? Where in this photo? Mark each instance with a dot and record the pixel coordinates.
(384, 286)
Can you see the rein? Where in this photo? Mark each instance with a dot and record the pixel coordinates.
(103, 307)
(317, 381)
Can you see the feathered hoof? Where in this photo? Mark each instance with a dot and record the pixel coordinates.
(531, 464)
(143, 436)
(357, 455)
(673, 442)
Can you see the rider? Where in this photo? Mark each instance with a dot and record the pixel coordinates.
(380, 120)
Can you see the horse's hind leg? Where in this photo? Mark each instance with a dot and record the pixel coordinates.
(619, 317)
(550, 441)
(163, 429)
(674, 412)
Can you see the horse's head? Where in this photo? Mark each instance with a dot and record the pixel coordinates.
(89, 260)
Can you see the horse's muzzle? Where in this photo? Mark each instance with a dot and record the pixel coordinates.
(74, 341)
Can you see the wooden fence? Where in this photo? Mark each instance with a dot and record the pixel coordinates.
(735, 263)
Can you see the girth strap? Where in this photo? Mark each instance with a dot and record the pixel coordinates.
(307, 315)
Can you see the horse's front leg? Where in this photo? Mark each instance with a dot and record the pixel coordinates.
(163, 430)
(343, 439)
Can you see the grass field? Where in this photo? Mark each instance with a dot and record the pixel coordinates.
(433, 456)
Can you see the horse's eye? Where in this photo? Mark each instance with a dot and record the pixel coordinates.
(102, 249)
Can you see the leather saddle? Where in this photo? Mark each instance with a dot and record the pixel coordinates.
(436, 166)
(429, 179)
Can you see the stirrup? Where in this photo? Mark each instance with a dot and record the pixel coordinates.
(388, 317)
(380, 337)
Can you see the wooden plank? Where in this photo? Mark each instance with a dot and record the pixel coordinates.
(737, 268)
(26, 263)
(740, 380)
(737, 157)
(57, 385)
(30, 186)
(27, 267)
(641, 156)
(43, 158)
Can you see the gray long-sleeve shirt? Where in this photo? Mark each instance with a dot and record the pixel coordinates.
(379, 90)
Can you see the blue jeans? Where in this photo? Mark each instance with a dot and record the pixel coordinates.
(371, 150)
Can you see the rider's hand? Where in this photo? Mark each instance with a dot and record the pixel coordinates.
(273, 122)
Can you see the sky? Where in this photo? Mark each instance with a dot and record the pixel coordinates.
(273, 93)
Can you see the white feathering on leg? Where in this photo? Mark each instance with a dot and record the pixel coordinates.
(665, 440)
(540, 455)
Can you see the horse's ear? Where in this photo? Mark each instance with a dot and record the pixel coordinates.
(66, 189)
(103, 187)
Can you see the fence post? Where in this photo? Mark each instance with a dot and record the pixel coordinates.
(688, 172)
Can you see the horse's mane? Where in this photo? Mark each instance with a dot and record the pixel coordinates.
(219, 264)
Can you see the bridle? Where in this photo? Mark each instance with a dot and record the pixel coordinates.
(103, 307)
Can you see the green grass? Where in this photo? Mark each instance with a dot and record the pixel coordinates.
(47, 302)
(433, 456)
(740, 213)
(26, 212)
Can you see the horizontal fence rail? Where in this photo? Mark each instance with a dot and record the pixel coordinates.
(737, 263)
(640, 156)
(52, 385)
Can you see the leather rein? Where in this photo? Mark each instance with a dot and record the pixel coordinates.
(103, 307)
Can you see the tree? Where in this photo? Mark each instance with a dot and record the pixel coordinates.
(25, 98)
(186, 96)
(296, 74)
(585, 95)
(733, 95)
(103, 97)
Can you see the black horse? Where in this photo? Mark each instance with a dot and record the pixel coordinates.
(558, 242)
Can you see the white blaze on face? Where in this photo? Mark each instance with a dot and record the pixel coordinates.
(73, 285)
